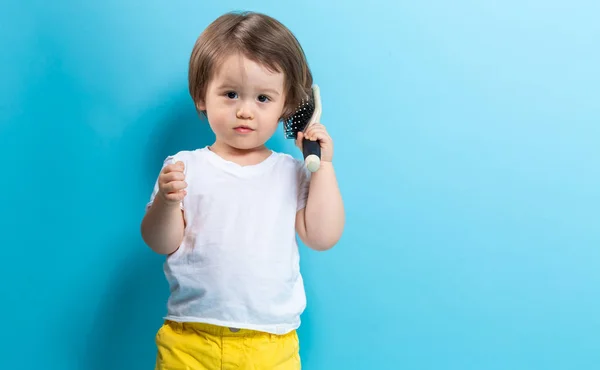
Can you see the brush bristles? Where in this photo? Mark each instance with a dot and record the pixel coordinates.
(297, 122)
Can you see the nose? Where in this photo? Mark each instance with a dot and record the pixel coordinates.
(244, 112)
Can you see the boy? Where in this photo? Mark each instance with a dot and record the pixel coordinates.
(226, 216)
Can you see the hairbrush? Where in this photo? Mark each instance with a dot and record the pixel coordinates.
(307, 113)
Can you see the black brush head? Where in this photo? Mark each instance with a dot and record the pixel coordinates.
(299, 119)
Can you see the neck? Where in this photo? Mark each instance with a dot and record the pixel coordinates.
(243, 157)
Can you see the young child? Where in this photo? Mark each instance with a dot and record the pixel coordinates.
(226, 215)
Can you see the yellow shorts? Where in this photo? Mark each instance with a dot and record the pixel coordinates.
(207, 347)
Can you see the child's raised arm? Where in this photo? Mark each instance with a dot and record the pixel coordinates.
(321, 222)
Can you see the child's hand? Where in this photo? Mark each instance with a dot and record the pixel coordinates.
(171, 183)
(317, 131)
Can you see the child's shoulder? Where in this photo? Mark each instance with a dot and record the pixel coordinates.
(186, 155)
(287, 158)
(289, 161)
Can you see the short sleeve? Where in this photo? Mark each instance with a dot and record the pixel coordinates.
(303, 185)
(169, 160)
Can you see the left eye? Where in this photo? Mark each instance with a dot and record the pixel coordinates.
(263, 98)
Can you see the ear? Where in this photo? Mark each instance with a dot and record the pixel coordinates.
(201, 105)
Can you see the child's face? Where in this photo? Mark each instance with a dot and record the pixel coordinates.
(244, 102)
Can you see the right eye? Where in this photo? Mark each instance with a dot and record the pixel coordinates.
(231, 94)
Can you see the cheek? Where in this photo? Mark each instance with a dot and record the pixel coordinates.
(271, 124)
(276, 112)
(218, 116)
(271, 117)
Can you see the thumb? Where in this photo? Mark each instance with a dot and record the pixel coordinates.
(181, 165)
(299, 139)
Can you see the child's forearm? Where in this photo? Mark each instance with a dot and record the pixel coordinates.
(324, 213)
(163, 226)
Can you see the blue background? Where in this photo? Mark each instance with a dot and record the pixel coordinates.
(468, 151)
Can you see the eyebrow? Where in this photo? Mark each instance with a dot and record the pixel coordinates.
(271, 91)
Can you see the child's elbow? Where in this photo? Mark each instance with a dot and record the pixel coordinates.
(323, 244)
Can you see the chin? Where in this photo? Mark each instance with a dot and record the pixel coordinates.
(245, 144)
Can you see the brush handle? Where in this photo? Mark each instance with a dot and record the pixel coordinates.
(312, 154)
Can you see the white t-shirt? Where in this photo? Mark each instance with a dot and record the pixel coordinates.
(238, 264)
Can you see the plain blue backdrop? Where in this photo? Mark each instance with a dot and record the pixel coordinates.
(467, 147)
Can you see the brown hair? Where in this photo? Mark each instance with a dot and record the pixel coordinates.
(259, 38)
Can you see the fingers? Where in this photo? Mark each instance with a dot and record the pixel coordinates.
(174, 167)
(174, 192)
(316, 131)
(175, 197)
(173, 176)
(172, 182)
(173, 186)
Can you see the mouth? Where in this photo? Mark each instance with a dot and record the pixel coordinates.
(243, 129)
